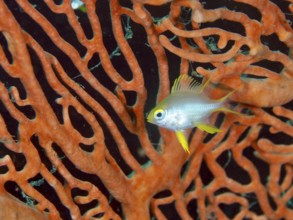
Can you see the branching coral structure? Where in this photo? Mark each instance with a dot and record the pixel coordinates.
(78, 81)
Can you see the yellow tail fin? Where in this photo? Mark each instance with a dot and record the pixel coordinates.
(223, 109)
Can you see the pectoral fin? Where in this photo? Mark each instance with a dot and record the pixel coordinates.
(208, 128)
(182, 140)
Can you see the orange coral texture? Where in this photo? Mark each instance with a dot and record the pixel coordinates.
(170, 181)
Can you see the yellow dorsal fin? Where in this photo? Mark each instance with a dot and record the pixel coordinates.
(226, 96)
(204, 85)
(187, 84)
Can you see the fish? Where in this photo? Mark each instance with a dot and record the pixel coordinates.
(78, 5)
(187, 107)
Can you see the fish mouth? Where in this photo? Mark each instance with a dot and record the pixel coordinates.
(150, 118)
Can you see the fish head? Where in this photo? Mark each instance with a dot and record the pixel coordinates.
(158, 115)
(164, 115)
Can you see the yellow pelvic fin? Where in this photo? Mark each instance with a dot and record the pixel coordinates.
(223, 109)
(182, 140)
(208, 128)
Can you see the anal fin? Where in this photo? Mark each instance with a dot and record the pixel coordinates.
(208, 128)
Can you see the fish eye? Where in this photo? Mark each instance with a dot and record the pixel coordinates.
(159, 114)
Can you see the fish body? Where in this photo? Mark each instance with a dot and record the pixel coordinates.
(186, 107)
(183, 110)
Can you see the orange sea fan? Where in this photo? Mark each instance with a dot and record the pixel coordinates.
(76, 85)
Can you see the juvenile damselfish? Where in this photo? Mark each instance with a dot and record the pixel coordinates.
(187, 107)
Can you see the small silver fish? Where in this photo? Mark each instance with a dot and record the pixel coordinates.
(78, 5)
(187, 107)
